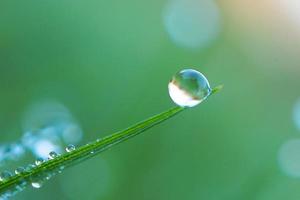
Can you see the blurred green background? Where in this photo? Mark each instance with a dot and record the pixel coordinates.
(109, 62)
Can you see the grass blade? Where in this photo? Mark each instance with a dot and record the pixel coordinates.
(86, 151)
(18, 182)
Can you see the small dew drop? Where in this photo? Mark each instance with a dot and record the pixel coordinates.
(188, 88)
(52, 155)
(5, 175)
(37, 184)
(92, 152)
(48, 176)
(70, 148)
(38, 180)
(19, 170)
(39, 161)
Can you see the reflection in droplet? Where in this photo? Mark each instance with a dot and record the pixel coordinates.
(192, 23)
(289, 158)
(188, 88)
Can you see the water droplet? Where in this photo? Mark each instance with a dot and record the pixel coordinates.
(39, 161)
(48, 176)
(37, 184)
(188, 88)
(5, 175)
(52, 155)
(38, 180)
(92, 152)
(99, 139)
(192, 23)
(19, 170)
(70, 148)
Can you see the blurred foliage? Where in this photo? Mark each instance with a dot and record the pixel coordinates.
(109, 63)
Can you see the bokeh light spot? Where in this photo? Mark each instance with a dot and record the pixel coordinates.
(192, 23)
(291, 8)
(289, 158)
(49, 126)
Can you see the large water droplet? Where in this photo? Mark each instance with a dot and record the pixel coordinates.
(188, 88)
(52, 155)
(70, 148)
(5, 175)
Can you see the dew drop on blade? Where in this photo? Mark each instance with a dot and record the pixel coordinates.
(188, 88)
(99, 139)
(39, 161)
(70, 148)
(5, 175)
(19, 170)
(52, 155)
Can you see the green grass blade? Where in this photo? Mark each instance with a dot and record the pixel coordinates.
(86, 151)
(40, 172)
(216, 89)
